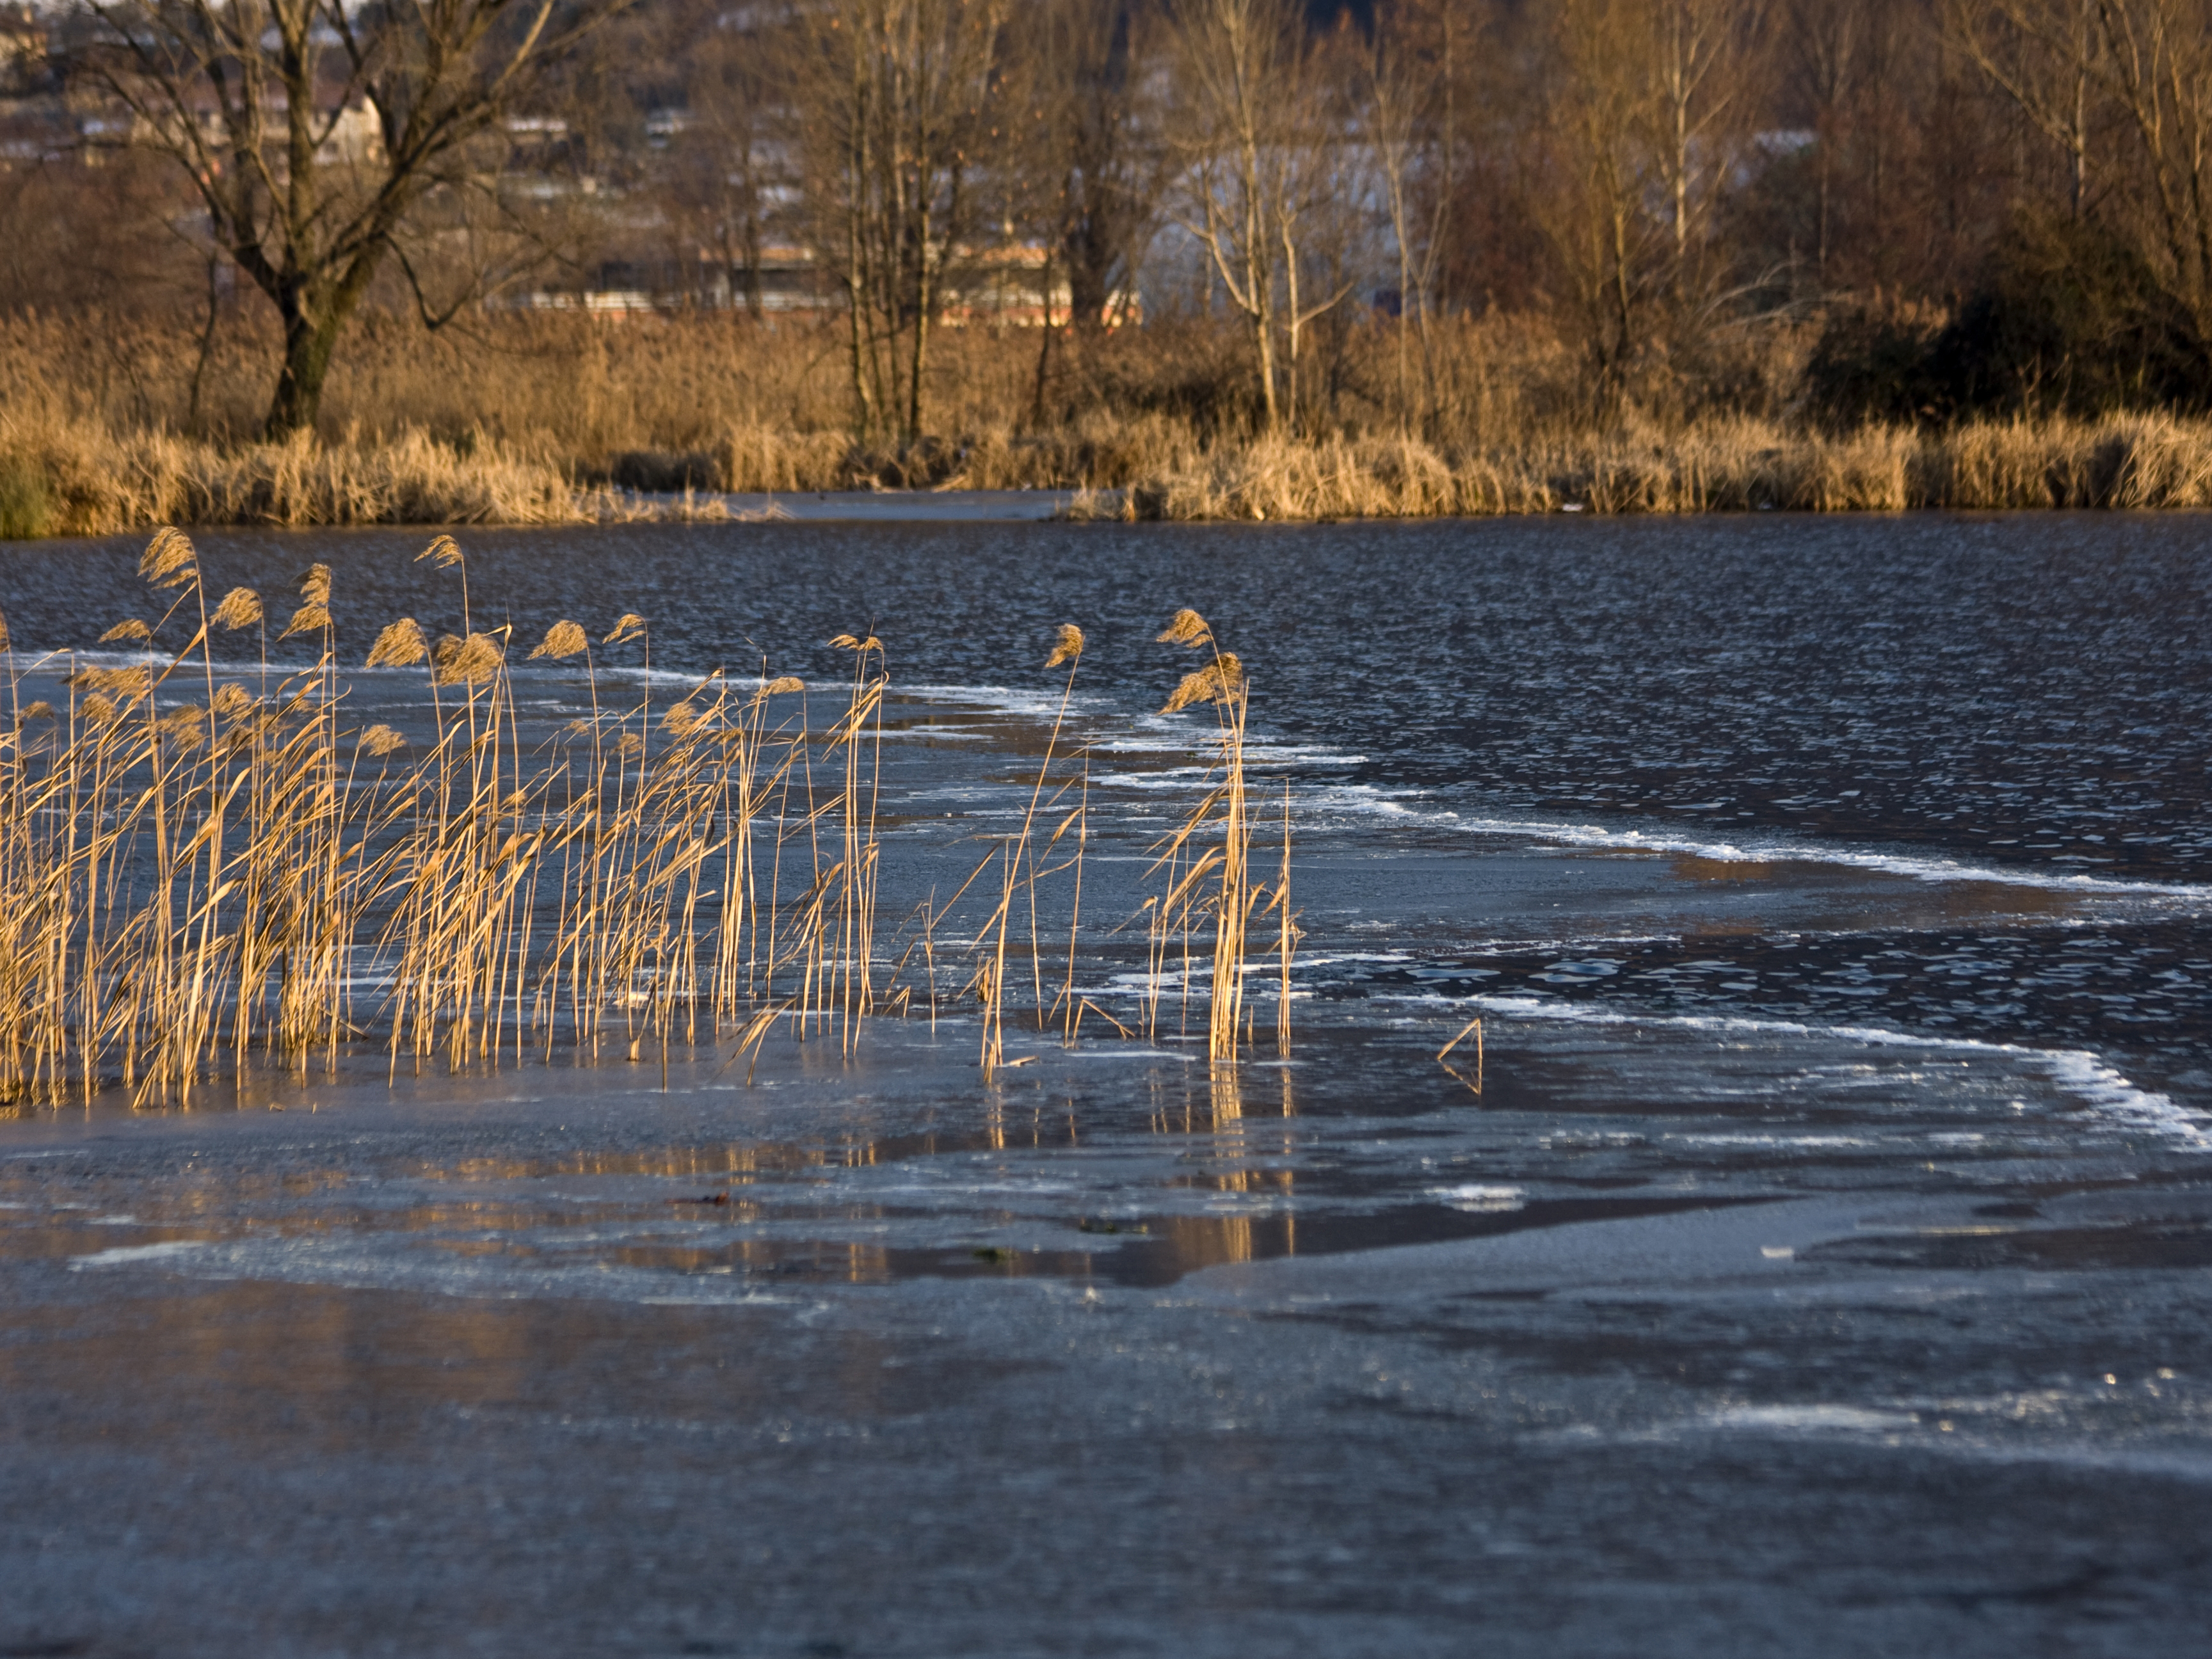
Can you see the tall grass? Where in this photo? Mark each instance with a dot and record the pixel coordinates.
(2123, 461)
(206, 868)
(188, 887)
(546, 419)
(1218, 878)
(83, 481)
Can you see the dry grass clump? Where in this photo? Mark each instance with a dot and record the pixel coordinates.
(185, 884)
(1097, 452)
(548, 418)
(92, 483)
(2122, 461)
(1206, 860)
(76, 480)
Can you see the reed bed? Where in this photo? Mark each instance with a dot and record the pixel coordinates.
(2123, 461)
(78, 479)
(535, 419)
(82, 482)
(206, 867)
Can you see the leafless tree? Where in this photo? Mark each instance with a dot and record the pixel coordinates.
(1642, 147)
(726, 172)
(312, 129)
(1825, 54)
(2044, 55)
(1700, 66)
(1596, 203)
(1091, 143)
(899, 102)
(1262, 146)
(2149, 62)
(1410, 126)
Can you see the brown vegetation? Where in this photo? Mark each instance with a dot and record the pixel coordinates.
(550, 420)
(203, 869)
(1608, 217)
(1225, 257)
(1726, 466)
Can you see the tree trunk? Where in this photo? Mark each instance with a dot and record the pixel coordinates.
(1044, 347)
(1087, 259)
(314, 316)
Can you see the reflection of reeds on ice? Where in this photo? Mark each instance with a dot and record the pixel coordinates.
(204, 869)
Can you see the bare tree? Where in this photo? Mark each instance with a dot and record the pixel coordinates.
(1263, 155)
(1602, 180)
(727, 172)
(1641, 155)
(1826, 50)
(1084, 167)
(2044, 55)
(1321, 218)
(1410, 128)
(899, 101)
(1091, 143)
(1700, 74)
(2150, 61)
(1231, 64)
(313, 128)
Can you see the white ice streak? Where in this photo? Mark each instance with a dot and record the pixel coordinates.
(128, 1253)
(2079, 1071)
(1929, 867)
(1153, 735)
(1812, 1418)
(1476, 1199)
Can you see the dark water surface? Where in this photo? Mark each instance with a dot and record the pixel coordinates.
(1817, 1259)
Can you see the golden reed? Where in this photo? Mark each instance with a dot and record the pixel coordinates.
(205, 867)
(552, 419)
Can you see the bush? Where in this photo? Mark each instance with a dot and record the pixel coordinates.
(1872, 365)
(2068, 319)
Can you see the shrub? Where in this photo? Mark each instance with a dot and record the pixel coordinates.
(1871, 366)
(2067, 319)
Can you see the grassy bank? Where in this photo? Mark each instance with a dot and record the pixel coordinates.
(2123, 461)
(540, 420)
(85, 481)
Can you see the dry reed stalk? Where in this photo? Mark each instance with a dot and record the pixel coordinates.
(1737, 465)
(1287, 931)
(854, 965)
(183, 883)
(1474, 1027)
(1223, 683)
(172, 864)
(1081, 819)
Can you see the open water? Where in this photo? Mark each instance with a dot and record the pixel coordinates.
(1818, 1260)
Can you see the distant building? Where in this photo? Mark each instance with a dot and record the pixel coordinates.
(356, 139)
(1000, 286)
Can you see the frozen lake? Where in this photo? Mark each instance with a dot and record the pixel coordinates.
(1819, 1260)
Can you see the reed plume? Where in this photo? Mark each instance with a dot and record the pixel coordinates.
(399, 645)
(562, 641)
(241, 608)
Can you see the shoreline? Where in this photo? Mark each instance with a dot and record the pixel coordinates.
(78, 482)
